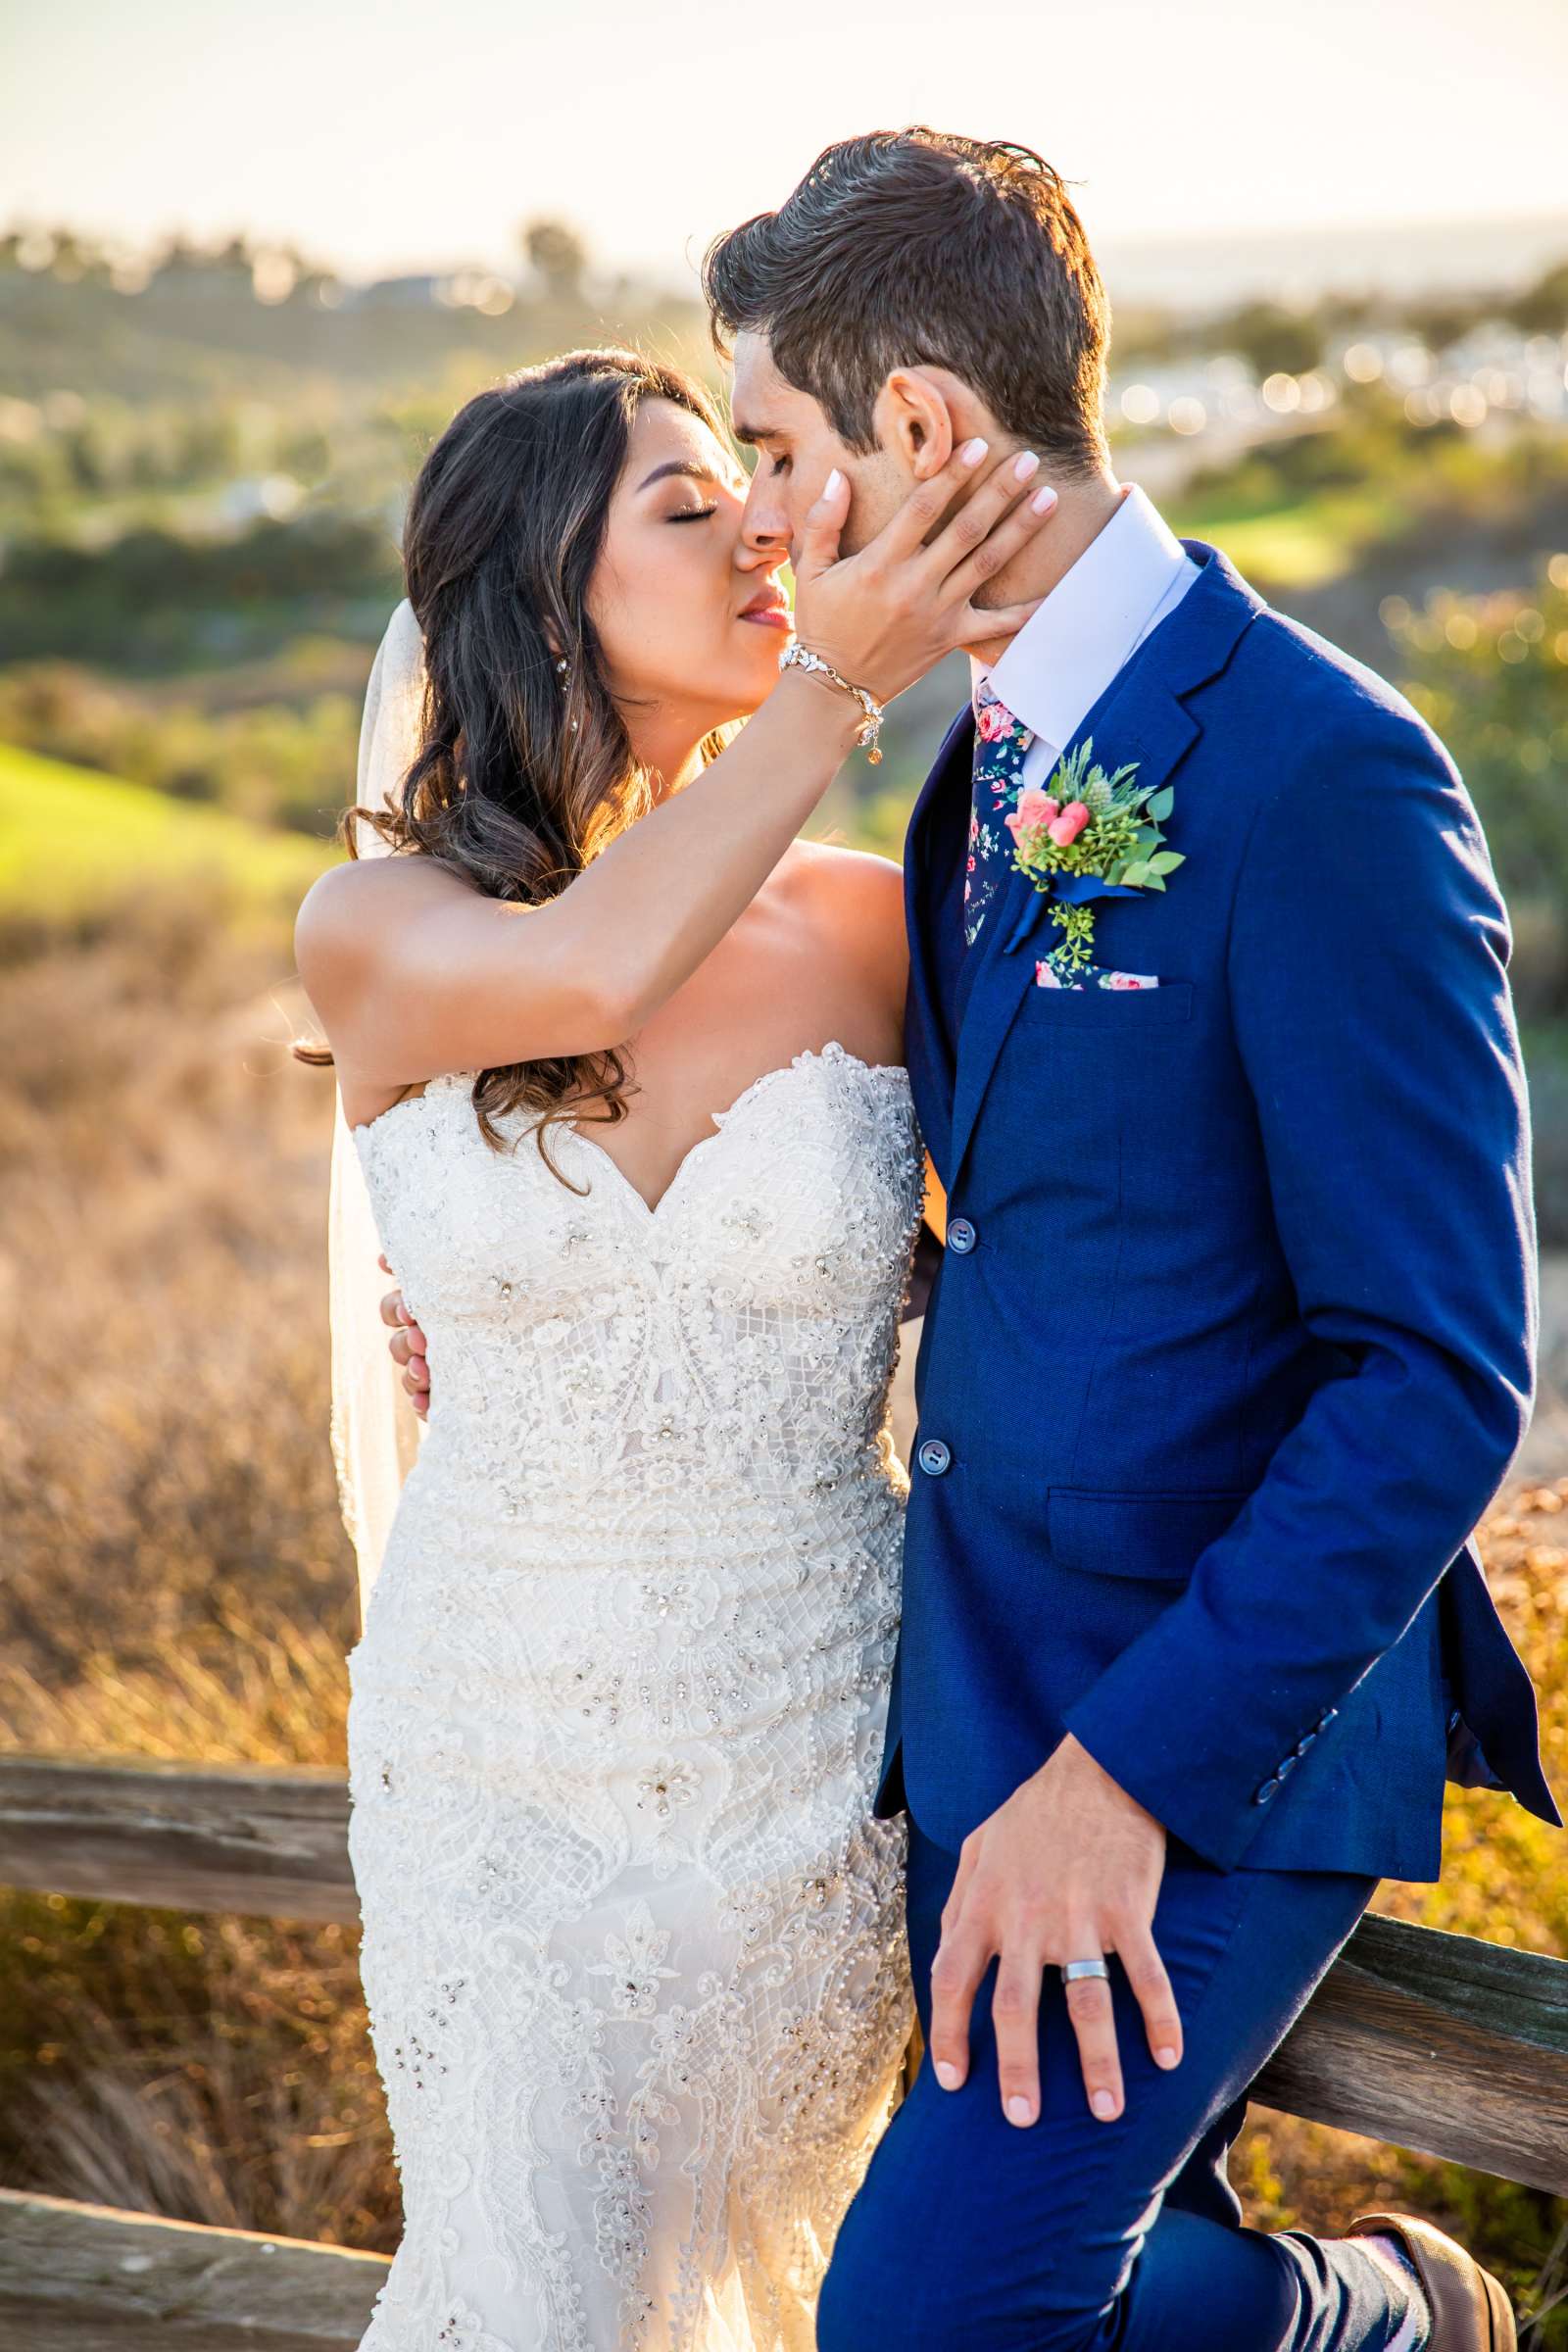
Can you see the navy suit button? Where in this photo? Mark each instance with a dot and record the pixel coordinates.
(1260, 1796)
(1303, 1744)
(1285, 1764)
(1326, 1716)
(1454, 1720)
(961, 1236)
(934, 1457)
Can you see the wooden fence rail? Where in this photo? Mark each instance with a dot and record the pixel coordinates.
(191, 1837)
(85, 2278)
(1442, 2044)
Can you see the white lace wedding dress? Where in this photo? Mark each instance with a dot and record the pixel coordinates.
(633, 1943)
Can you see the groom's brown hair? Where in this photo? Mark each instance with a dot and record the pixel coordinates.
(910, 247)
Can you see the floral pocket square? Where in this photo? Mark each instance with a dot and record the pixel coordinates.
(1046, 976)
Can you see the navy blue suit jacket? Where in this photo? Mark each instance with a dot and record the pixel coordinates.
(1242, 1343)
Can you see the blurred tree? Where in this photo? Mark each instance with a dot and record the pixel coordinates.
(1490, 674)
(1144, 331)
(74, 257)
(1442, 320)
(1346, 313)
(152, 597)
(1273, 341)
(1543, 309)
(555, 251)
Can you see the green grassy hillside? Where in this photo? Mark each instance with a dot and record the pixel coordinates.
(72, 839)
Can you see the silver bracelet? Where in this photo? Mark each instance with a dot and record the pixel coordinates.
(798, 657)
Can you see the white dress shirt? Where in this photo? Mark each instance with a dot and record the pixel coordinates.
(1122, 586)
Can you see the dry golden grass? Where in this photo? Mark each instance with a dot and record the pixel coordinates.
(176, 1582)
(176, 1579)
(163, 1314)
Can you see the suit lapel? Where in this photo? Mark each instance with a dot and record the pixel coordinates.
(1140, 717)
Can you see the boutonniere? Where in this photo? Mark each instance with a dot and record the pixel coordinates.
(1084, 835)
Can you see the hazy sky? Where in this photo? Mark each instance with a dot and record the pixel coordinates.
(380, 134)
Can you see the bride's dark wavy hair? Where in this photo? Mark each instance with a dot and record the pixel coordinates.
(523, 773)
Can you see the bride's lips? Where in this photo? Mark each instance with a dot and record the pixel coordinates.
(769, 610)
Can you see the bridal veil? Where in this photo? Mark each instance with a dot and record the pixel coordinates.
(375, 1432)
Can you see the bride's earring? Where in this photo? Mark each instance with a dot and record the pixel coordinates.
(564, 671)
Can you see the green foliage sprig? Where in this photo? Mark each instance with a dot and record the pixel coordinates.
(1084, 828)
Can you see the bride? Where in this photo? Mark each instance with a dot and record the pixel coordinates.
(632, 1938)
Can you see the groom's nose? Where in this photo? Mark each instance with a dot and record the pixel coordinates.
(765, 523)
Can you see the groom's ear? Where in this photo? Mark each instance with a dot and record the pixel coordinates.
(914, 421)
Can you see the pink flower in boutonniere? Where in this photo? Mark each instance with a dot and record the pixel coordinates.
(1035, 808)
(1069, 824)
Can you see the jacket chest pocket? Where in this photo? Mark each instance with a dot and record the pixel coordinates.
(1097, 1016)
(1085, 1074)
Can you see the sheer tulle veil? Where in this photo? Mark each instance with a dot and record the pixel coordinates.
(375, 1432)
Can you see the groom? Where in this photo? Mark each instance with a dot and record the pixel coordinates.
(1231, 1344)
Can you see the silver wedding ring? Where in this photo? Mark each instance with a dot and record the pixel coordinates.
(1072, 1970)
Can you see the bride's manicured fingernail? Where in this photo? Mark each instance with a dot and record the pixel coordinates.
(947, 2074)
(830, 488)
(1020, 2110)
(973, 452)
(1042, 500)
(1103, 2104)
(1027, 466)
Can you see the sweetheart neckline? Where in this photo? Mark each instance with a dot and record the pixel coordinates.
(832, 1051)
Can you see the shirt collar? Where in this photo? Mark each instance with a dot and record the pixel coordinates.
(1062, 660)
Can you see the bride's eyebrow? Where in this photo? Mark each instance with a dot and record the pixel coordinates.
(687, 467)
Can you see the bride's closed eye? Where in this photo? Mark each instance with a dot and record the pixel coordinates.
(693, 515)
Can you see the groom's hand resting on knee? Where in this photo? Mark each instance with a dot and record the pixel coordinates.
(1068, 1869)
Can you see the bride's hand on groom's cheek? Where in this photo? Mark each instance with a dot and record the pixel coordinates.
(1068, 1869)
(406, 1347)
(888, 613)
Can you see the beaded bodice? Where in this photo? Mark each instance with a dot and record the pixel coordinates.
(741, 1332)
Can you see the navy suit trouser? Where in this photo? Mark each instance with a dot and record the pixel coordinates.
(970, 2235)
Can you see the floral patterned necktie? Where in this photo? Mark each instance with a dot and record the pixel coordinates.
(1000, 743)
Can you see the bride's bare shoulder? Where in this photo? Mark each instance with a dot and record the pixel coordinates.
(847, 884)
(348, 915)
(856, 898)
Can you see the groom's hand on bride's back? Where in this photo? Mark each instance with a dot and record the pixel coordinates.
(406, 1347)
(1068, 1869)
